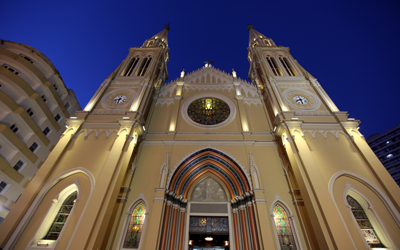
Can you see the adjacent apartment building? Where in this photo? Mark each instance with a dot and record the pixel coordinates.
(34, 103)
(386, 146)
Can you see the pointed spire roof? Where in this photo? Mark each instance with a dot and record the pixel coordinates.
(258, 39)
(158, 40)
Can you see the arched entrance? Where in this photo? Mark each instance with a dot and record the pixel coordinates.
(183, 205)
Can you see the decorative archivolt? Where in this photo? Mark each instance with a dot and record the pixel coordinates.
(73, 128)
(249, 90)
(352, 130)
(171, 173)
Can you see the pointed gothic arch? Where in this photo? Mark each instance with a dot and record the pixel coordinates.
(129, 224)
(278, 202)
(209, 162)
(359, 202)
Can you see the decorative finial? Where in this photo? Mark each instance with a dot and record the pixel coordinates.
(183, 73)
(233, 73)
(208, 63)
(167, 27)
(249, 27)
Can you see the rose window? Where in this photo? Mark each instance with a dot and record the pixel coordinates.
(208, 111)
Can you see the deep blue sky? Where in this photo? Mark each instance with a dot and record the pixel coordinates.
(351, 47)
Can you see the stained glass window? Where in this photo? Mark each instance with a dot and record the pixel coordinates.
(364, 224)
(61, 217)
(208, 111)
(135, 227)
(283, 229)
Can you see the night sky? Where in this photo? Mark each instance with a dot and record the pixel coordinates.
(351, 47)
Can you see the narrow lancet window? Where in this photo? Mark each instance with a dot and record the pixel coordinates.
(131, 66)
(287, 67)
(272, 65)
(143, 67)
(364, 224)
(135, 227)
(284, 229)
(61, 217)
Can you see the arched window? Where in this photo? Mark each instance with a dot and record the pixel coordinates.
(131, 66)
(61, 217)
(135, 227)
(273, 66)
(150, 43)
(267, 43)
(143, 67)
(53, 224)
(364, 224)
(283, 229)
(287, 66)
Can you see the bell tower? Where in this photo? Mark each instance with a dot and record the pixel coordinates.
(89, 169)
(318, 144)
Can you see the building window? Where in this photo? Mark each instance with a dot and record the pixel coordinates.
(33, 147)
(3, 186)
(150, 43)
(287, 66)
(364, 223)
(272, 65)
(143, 67)
(27, 58)
(57, 117)
(389, 156)
(208, 111)
(283, 228)
(19, 165)
(135, 228)
(46, 131)
(267, 43)
(29, 111)
(44, 98)
(55, 86)
(67, 105)
(61, 217)
(11, 69)
(14, 128)
(131, 66)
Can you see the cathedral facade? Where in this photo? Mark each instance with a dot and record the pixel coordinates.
(208, 161)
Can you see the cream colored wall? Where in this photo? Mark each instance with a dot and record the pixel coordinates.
(257, 118)
(333, 156)
(376, 203)
(41, 211)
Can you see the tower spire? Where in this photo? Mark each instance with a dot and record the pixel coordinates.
(158, 40)
(256, 39)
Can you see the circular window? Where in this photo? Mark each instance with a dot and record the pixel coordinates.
(208, 111)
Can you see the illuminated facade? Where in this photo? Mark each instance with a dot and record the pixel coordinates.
(209, 161)
(34, 104)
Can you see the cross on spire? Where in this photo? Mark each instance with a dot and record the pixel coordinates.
(208, 63)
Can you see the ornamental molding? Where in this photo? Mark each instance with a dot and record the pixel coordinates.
(165, 165)
(208, 87)
(246, 173)
(250, 143)
(313, 113)
(252, 101)
(97, 133)
(167, 90)
(304, 85)
(189, 101)
(252, 165)
(109, 112)
(324, 133)
(167, 101)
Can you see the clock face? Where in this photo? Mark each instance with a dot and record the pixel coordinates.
(300, 99)
(119, 99)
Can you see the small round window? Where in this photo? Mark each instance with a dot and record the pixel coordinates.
(208, 111)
